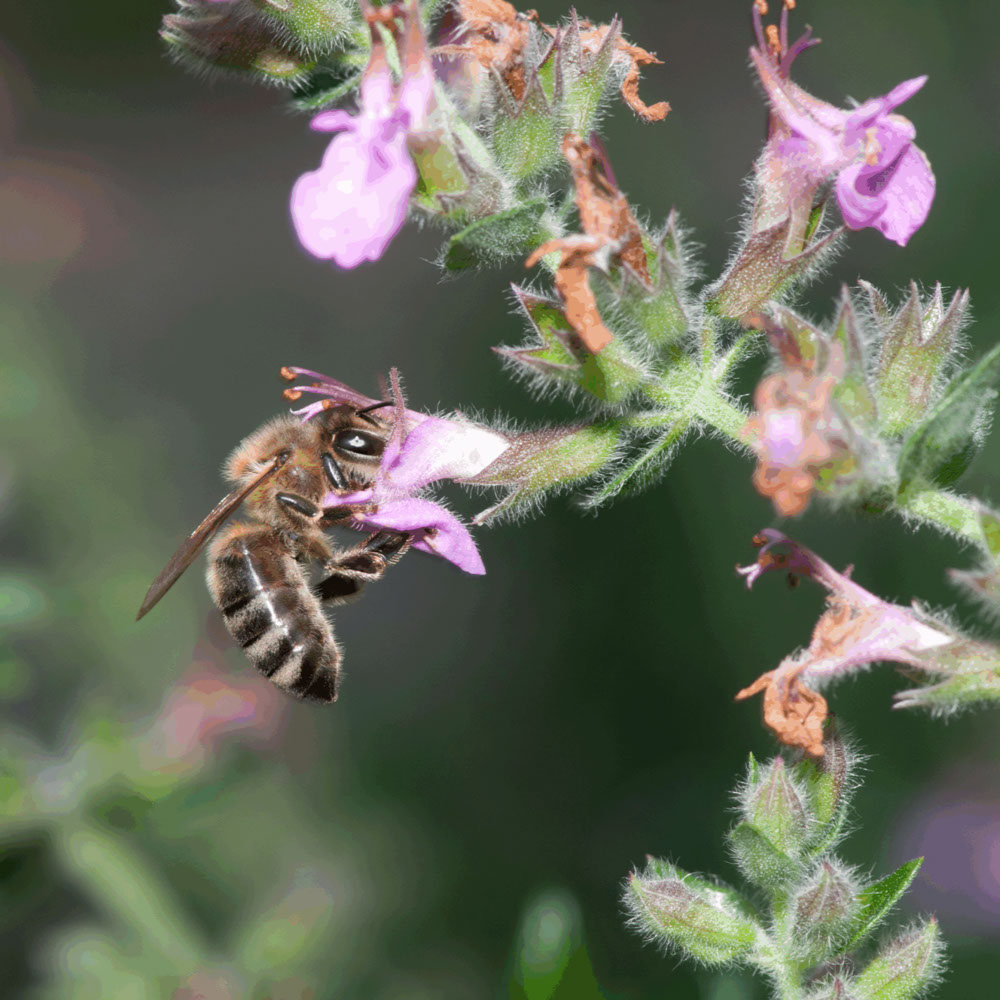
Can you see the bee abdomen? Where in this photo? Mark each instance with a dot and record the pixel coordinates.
(270, 611)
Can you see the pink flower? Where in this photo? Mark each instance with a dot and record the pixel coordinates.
(421, 450)
(882, 179)
(856, 630)
(354, 204)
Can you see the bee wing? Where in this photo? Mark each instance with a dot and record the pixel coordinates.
(196, 541)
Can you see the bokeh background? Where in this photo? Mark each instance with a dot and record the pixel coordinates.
(504, 748)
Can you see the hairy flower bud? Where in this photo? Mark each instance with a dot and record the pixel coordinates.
(777, 807)
(904, 967)
(707, 921)
(315, 25)
(234, 36)
(823, 910)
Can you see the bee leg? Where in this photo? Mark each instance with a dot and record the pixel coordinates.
(299, 504)
(334, 473)
(338, 589)
(369, 560)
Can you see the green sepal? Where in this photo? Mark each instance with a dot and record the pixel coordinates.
(852, 391)
(584, 81)
(878, 899)
(763, 270)
(778, 809)
(915, 346)
(541, 461)
(762, 863)
(232, 42)
(707, 920)
(515, 232)
(940, 449)
(660, 311)
(527, 140)
(611, 375)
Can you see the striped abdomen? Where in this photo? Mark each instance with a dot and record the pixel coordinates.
(270, 611)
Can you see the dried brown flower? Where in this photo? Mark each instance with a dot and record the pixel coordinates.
(609, 228)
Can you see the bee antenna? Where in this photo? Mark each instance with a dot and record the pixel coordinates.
(375, 406)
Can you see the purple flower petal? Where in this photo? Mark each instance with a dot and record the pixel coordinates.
(350, 209)
(438, 532)
(894, 199)
(443, 449)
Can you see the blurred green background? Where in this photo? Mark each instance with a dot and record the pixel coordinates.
(504, 748)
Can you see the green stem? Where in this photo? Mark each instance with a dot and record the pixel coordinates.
(123, 885)
(951, 513)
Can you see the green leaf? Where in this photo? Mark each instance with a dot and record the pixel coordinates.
(759, 859)
(878, 899)
(528, 139)
(514, 232)
(941, 448)
(318, 94)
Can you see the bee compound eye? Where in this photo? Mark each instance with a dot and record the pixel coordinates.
(354, 442)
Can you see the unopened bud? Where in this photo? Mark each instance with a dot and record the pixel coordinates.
(823, 911)
(315, 25)
(234, 37)
(828, 782)
(905, 967)
(777, 807)
(704, 920)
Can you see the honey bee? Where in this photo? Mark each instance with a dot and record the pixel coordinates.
(258, 570)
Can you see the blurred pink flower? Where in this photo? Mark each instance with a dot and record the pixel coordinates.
(350, 208)
(955, 826)
(204, 707)
(882, 179)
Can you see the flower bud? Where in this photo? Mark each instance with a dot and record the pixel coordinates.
(315, 25)
(828, 782)
(904, 967)
(823, 911)
(235, 37)
(776, 806)
(916, 345)
(709, 922)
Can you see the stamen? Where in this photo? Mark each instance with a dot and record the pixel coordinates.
(789, 4)
(872, 146)
(287, 373)
(773, 39)
(292, 394)
(761, 6)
